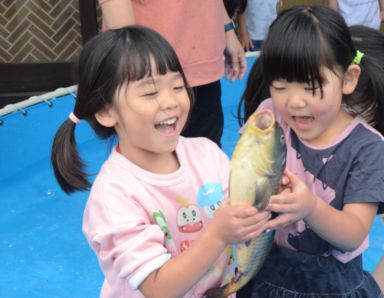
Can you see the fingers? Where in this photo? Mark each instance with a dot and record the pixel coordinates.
(237, 67)
(248, 45)
(285, 181)
(253, 225)
(280, 221)
(243, 66)
(293, 179)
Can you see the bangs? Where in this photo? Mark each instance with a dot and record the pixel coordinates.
(140, 52)
(295, 53)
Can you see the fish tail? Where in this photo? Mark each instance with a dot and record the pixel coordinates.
(228, 289)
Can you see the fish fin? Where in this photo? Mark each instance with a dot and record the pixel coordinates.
(262, 189)
(224, 291)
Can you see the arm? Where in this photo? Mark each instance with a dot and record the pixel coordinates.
(378, 274)
(117, 13)
(236, 65)
(381, 2)
(345, 229)
(246, 42)
(333, 4)
(231, 224)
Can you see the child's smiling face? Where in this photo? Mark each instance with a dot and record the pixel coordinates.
(316, 119)
(149, 115)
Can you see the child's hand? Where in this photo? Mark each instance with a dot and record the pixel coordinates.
(293, 203)
(233, 224)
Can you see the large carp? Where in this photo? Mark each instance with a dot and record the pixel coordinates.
(257, 167)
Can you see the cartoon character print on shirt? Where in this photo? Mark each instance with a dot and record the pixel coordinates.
(209, 197)
(161, 221)
(189, 219)
(159, 218)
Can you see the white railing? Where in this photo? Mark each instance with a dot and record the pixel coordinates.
(46, 97)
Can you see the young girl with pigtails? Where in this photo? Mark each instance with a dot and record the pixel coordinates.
(156, 216)
(328, 96)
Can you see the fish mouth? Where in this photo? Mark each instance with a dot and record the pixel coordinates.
(263, 121)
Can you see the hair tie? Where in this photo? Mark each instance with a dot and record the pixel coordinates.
(358, 57)
(73, 118)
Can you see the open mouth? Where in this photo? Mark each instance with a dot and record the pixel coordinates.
(303, 119)
(303, 122)
(167, 126)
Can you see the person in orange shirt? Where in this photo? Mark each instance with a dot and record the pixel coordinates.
(202, 33)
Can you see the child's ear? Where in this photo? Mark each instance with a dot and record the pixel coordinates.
(106, 117)
(351, 77)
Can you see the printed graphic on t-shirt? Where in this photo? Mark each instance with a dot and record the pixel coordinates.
(209, 197)
(159, 218)
(189, 219)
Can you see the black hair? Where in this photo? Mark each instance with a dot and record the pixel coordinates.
(107, 61)
(301, 41)
(370, 42)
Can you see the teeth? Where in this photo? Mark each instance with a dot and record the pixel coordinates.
(168, 121)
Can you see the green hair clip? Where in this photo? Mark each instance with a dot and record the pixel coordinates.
(358, 57)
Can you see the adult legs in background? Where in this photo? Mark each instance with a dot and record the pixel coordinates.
(206, 118)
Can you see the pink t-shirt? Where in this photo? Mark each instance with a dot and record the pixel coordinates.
(195, 29)
(135, 221)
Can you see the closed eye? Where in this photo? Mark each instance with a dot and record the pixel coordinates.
(278, 88)
(150, 94)
(179, 88)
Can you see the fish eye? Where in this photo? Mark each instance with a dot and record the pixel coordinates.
(282, 138)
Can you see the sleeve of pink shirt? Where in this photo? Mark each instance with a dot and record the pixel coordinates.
(128, 248)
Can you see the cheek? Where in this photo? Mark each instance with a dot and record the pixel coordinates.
(327, 106)
(185, 103)
(278, 103)
(143, 109)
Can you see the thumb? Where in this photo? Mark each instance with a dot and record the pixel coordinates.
(293, 179)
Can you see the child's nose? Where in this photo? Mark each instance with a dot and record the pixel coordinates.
(168, 100)
(296, 100)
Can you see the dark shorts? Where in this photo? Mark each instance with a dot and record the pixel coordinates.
(290, 274)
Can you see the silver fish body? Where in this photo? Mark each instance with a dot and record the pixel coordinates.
(257, 166)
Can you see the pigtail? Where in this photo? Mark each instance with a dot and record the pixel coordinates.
(255, 92)
(369, 93)
(66, 161)
(368, 97)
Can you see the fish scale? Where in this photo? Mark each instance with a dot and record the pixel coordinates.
(257, 166)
